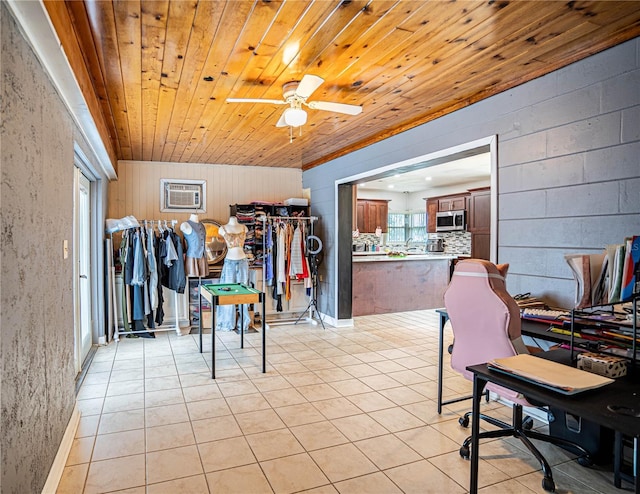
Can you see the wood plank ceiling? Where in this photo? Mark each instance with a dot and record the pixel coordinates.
(159, 72)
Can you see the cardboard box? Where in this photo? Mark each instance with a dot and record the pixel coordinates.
(605, 365)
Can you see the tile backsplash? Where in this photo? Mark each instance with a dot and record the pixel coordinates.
(455, 242)
(458, 243)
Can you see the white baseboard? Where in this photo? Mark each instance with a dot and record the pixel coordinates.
(55, 474)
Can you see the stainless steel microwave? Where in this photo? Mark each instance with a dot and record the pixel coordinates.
(449, 221)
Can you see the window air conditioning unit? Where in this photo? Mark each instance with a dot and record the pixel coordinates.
(182, 195)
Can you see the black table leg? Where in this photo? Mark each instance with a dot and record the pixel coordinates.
(199, 316)
(264, 336)
(617, 459)
(241, 307)
(636, 463)
(478, 388)
(213, 337)
(443, 320)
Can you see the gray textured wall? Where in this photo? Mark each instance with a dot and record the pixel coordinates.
(568, 168)
(36, 160)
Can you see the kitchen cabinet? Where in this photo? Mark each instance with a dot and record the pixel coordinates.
(444, 203)
(372, 213)
(479, 222)
(452, 203)
(432, 209)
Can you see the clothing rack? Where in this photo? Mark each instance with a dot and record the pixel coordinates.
(114, 329)
(311, 308)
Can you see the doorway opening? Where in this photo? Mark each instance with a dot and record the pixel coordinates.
(345, 199)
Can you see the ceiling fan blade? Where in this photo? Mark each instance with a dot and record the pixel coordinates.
(281, 122)
(335, 107)
(308, 85)
(256, 100)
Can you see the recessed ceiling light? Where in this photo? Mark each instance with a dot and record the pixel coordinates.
(362, 185)
(390, 186)
(428, 179)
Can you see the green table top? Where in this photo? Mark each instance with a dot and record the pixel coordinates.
(222, 289)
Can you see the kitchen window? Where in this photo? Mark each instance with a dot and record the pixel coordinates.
(407, 226)
(396, 227)
(418, 227)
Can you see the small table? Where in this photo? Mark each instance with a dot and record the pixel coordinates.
(231, 294)
(590, 405)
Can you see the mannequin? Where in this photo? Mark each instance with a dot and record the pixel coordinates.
(234, 270)
(186, 227)
(234, 234)
(194, 232)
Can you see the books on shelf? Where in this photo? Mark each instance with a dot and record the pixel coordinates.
(548, 374)
(631, 269)
(607, 278)
(591, 275)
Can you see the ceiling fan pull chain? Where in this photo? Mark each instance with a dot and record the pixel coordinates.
(290, 134)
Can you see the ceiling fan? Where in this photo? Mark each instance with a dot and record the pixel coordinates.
(295, 95)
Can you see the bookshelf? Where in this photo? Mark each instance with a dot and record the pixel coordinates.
(602, 321)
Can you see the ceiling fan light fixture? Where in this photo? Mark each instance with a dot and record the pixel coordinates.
(295, 117)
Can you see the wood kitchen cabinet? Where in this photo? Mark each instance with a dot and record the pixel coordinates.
(432, 209)
(452, 203)
(444, 203)
(372, 213)
(479, 222)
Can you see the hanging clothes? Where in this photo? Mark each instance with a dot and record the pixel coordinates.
(281, 273)
(268, 256)
(148, 262)
(172, 275)
(153, 268)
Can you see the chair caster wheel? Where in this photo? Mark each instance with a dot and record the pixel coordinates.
(464, 421)
(450, 349)
(464, 452)
(585, 461)
(548, 485)
(527, 424)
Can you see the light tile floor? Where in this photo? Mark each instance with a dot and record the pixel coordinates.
(348, 410)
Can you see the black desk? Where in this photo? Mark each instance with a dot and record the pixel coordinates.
(529, 328)
(591, 405)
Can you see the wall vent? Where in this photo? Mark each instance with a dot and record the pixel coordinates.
(182, 195)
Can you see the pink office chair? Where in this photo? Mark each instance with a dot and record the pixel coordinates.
(486, 325)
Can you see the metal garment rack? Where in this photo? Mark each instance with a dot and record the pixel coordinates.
(311, 308)
(163, 327)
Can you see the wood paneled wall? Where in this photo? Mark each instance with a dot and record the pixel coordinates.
(137, 190)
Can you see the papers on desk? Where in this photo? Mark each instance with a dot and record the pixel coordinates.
(552, 375)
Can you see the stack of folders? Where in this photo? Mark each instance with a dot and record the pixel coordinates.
(610, 277)
(551, 375)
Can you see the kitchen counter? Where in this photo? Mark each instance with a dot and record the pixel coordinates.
(384, 284)
(381, 256)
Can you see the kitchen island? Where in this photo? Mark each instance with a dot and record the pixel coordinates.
(383, 284)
